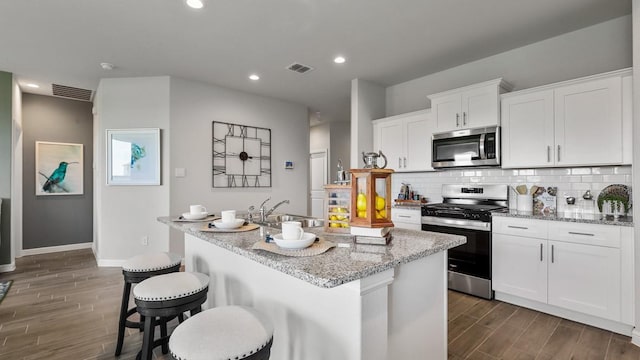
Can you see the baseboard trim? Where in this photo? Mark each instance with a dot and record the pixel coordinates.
(54, 249)
(635, 337)
(110, 262)
(606, 324)
(8, 267)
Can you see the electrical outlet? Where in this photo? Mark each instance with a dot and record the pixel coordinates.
(145, 240)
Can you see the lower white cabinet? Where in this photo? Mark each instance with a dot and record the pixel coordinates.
(583, 268)
(585, 278)
(404, 218)
(519, 266)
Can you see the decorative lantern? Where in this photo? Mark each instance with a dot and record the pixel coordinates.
(371, 198)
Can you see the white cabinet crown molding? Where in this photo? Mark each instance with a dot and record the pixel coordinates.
(504, 85)
(552, 86)
(401, 116)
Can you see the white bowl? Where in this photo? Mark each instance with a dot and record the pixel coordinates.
(190, 216)
(306, 241)
(236, 223)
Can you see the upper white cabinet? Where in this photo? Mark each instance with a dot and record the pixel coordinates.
(405, 140)
(574, 123)
(468, 107)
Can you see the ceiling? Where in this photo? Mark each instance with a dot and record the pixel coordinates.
(386, 42)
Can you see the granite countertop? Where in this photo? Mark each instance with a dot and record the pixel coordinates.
(581, 218)
(342, 264)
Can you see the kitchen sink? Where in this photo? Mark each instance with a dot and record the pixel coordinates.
(275, 221)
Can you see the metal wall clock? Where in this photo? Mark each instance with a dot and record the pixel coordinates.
(241, 155)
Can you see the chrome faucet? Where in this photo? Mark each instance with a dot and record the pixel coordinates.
(265, 213)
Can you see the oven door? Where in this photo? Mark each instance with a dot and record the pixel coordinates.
(469, 264)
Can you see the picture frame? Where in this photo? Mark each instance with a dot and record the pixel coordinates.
(133, 156)
(59, 168)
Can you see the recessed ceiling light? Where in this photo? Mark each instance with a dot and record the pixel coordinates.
(195, 4)
(254, 77)
(339, 60)
(107, 66)
(31, 85)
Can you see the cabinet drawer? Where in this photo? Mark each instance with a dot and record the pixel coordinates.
(410, 216)
(520, 227)
(589, 234)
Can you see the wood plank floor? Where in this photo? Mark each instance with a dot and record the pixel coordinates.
(482, 329)
(62, 306)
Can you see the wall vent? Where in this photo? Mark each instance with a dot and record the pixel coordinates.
(300, 68)
(71, 92)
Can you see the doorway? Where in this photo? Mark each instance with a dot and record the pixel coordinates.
(319, 175)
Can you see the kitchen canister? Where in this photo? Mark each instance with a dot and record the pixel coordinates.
(525, 203)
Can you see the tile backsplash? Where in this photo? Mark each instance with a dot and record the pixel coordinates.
(570, 181)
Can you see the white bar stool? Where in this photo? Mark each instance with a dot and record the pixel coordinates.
(162, 298)
(135, 270)
(223, 333)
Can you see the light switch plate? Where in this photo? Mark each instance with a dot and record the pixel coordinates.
(180, 172)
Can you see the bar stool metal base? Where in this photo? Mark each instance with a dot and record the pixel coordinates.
(134, 277)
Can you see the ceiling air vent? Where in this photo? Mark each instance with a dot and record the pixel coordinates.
(299, 68)
(71, 92)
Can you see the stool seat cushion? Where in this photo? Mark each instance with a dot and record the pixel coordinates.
(170, 286)
(151, 262)
(221, 333)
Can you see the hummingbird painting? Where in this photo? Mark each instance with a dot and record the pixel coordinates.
(56, 177)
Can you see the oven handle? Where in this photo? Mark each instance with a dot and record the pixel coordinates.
(456, 223)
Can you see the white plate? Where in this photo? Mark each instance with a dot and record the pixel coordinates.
(190, 216)
(228, 225)
(306, 241)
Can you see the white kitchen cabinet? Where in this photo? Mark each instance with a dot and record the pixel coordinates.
(520, 267)
(405, 218)
(472, 106)
(405, 140)
(585, 278)
(565, 268)
(528, 130)
(567, 124)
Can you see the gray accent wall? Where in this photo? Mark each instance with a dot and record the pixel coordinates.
(6, 80)
(56, 220)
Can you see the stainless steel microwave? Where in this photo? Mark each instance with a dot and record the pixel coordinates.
(466, 148)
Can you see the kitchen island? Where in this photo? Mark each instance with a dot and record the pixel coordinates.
(351, 302)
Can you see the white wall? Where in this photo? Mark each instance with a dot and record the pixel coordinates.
(193, 107)
(340, 147)
(595, 49)
(335, 136)
(16, 179)
(367, 103)
(124, 214)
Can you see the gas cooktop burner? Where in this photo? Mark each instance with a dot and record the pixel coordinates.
(465, 207)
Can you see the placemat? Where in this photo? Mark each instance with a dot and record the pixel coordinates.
(317, 248)
(247, 227)
(207, 219)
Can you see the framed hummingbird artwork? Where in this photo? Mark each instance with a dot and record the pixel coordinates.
(59, 168)
(133, 156)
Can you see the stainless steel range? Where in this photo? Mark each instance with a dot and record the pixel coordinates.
(466, 210)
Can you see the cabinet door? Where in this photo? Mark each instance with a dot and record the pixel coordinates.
(520, 266)
(389, 139)
(417, 140)
(588, 123)
(528, 130)
(480, 107)
(585, 278)
(446, 112)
